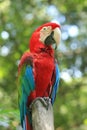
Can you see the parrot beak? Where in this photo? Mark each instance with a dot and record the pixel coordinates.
(57, 35)
(54, 37)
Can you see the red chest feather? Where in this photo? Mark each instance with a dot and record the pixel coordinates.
(43, 70)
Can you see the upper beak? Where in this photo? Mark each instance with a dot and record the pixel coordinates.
(54, 37)
(57, 35)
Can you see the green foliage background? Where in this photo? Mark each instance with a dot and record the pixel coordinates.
(18, 19)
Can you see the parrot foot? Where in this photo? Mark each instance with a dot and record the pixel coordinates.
(42, 114)
(46, 101)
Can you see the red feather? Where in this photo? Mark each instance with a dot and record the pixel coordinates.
(28, 126)
(43, 66)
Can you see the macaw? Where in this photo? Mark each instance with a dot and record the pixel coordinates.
(38, 70)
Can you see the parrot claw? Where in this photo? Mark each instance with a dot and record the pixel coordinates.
(46, 101)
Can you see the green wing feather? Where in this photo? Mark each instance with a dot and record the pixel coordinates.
(26, 86)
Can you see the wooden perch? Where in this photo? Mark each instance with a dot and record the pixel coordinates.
(42, 114)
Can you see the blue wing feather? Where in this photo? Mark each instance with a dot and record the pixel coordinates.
(27, 85)
(56, 84)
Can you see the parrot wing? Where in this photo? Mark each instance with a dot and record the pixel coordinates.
(26, 86)
(56, 84)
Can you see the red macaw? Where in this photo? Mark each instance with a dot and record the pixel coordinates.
(38, 70)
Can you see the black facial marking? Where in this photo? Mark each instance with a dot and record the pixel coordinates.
(50, 40)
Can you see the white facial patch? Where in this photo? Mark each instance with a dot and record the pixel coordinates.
(44, 33)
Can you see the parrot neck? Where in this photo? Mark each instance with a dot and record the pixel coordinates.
(48, 50)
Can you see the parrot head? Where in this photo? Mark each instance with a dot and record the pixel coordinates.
(45, 36)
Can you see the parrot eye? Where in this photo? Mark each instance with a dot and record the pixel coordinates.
(44, 28)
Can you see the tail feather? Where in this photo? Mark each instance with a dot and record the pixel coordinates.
(26, 125)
